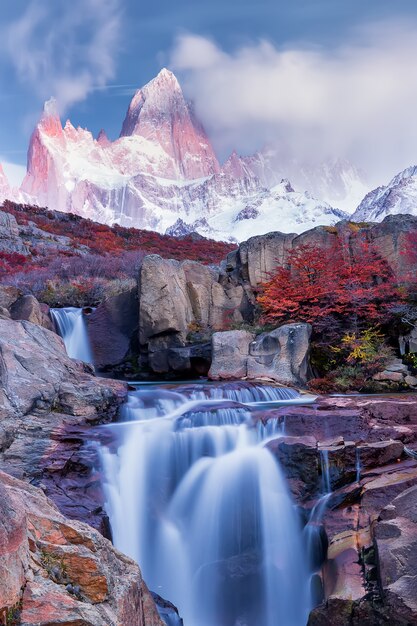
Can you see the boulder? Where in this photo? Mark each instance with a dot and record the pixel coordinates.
(230, 352)
(281, 355)
(54, 570)
(8, 295)
(29, 309)
(164, 306)
(112, 328)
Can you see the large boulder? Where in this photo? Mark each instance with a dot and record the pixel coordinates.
(112, 328)
(28, 308)
(280, 355)
(164, 306)
(180, 304)
(230, 353)
(57, 571)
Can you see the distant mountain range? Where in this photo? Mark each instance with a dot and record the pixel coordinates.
(162, 174)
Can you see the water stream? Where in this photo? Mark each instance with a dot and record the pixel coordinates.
(70, 323)
(199, 502)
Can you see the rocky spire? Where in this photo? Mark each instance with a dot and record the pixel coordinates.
(159, 113)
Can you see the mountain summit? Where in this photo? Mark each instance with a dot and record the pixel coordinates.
(162, 173)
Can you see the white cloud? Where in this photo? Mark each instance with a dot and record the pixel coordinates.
(15, 173)
(358, 100)
(65, 48)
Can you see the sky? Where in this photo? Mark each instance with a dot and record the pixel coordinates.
(318, 77)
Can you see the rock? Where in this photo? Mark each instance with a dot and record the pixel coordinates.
(411, 381)
(60, 571)
(394, 377)
(113, 327)
(8, 295)
(396, 545)
(408, 343)
(396, 365)
(10, 241)
(47, 402)
(29, 309)
(379, 492)
(230, 352)
(298, 457)
(281, 355)
(259, 256)
(379, 453)
(164, 307)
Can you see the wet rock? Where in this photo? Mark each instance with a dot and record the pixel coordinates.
(61, 571)
(379, 453)
(298, 457)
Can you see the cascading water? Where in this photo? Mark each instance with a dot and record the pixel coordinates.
(70, 323)
(314, 535)
(199, 502)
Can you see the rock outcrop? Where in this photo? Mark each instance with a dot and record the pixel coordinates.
(29, 309)
(113, 329)
(57, 571)
(47, 401)
(280, 355)
(362, 545)
(180, 304)
(10, 242)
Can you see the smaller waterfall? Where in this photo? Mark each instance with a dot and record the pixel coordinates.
(71, 326)
(358, 465)
(314, 533)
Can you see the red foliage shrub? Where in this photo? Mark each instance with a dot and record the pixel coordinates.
(320, 283)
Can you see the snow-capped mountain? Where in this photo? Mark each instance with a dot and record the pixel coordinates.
(280, 208)
(399, 196)
(162, 171)
(336, 181)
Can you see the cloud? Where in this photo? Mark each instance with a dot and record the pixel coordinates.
(15, 173)
(357, 100)
(65, 48)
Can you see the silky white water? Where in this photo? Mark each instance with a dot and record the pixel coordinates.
(70, 323)
(197, 500)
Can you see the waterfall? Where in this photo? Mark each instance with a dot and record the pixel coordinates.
(199, 502)
(314, 535)
(358, 464)
(71, 325)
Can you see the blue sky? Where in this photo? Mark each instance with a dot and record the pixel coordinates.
(91, 54)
